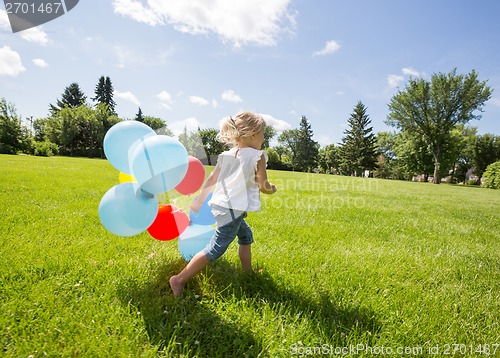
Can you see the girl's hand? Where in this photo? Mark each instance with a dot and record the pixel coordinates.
(196, 205)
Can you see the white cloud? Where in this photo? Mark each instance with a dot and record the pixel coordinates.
(330, 47)
(230, 96)
(278, 124)
(410, 72)
(214, 103)
(135, 10)
(35, 34)
(190, 124)
(127, 96)
(10, 62)
(165, 99)
(4, 20)
(257, 22)
(394, 80)
(40, 62)
(200, 101)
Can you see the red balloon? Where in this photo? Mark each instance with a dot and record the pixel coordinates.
(169, 223)
(193, 179)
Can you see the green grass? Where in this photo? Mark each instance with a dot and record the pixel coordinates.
(346, 261)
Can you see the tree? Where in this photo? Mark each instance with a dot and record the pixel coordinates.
(290, 140)
(13, 137)
(71, 97)
(81, 131)
(486, 150)
(329, 159)
(104, 93)
(492, 176)
(269, 133)
(432, 109)
(211, 145)
(385, 144)
(139, 116)
(78, 131)
(413, 155)
(358, 148)
(465, 159)
(106, 120)
(307, 148)
(158, 125)
(193, 143)
(273, 160)
(387, 167)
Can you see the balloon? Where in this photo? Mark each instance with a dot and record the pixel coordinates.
(204, 216)
(194, 239)
(125, 178)
(194, 177)
(169, 223)
(159, 163)
(123, 213)
(122, 138)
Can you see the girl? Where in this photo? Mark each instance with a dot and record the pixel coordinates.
(239, 177)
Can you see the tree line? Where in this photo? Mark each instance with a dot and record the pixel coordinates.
(430, 117)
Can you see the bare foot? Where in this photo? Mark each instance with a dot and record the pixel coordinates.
(176, 286)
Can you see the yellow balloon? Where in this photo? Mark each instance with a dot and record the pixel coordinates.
(124, 178)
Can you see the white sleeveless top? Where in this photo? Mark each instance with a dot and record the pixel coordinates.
(236, 187)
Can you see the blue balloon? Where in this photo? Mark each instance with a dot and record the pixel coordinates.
(124, 213)
(159, 163)
(121, 139)
(194, 239)
(204, 216)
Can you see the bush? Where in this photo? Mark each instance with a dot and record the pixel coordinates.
(46, 149)
(7, 149)
(492, 176)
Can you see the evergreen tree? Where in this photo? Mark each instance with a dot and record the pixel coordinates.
(358, 148)
(308, 149)
(104, 93)
(72, 97)
(139, 116)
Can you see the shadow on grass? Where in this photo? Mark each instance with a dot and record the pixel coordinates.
(192, 326)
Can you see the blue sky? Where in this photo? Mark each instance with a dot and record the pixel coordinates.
(192, 64)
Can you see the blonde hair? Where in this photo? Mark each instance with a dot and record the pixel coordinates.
(244, 124)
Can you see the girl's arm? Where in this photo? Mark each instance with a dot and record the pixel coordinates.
(261, 177)
(205, 190)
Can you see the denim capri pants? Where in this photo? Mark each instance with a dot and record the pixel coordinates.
(230, 223)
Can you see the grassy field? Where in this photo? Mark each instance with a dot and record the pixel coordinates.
(350, 266)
